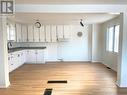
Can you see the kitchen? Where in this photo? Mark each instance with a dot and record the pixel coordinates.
(50, 41)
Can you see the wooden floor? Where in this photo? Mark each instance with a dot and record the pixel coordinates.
(83, 79)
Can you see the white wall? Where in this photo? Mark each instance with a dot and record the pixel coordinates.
(97, 43)
(77, 49)
(110, 59)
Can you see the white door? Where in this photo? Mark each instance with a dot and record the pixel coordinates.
(60, 31)
(18, 33)
(30, 33)
(40, 57)
(36, 34)
(48, 34)
(42, 34)
(53, 33)
(31, 57)
(24, 33)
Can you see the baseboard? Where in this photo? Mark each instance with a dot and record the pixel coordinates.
(122, 90)
(97, 62)
(5, 86)
(109, 67)
(68, 61)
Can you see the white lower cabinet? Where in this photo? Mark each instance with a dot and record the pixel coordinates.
(35, 56)
(16, 59)
(40, 56)
(30, 55)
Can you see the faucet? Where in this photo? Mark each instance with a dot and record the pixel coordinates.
(9, 44)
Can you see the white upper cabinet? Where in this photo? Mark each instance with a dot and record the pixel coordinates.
(48, 33)
(60, 31)
(24, 33)
(30, 33)
(18, 33)
(36, 34)
(42, 34)
(53, 33)
(67, 31)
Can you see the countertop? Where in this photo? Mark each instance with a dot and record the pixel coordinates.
(23, 48)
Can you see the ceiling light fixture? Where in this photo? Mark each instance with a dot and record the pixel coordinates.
(81, 23)
(37, 24)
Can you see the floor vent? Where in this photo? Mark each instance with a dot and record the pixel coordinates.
(48, 92)
(57, 81)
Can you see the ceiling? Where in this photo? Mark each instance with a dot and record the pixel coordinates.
(71, 1)
(63, 18)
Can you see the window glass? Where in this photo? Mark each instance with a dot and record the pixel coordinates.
(113, 38)
(110, 39)
(116, 38)
(12, 35)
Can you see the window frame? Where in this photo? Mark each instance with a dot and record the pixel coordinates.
(113, 39)
(11, 29)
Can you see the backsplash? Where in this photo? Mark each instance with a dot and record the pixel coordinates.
(15, 44)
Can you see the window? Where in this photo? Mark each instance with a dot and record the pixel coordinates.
(113, 38)
(110, 39)
(11, 32)
(116, 38)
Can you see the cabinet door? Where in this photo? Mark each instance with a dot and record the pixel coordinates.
(42, 34)
(67, 31)
(18, 33)
(60, 31)
(53, 33)
(23, 56)
(36, 34)
(48, 34)
(40, 56)
(15, 60)
(24, 33)
(30, 33)
(19, 59)
(31, 56)
(10, 63)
